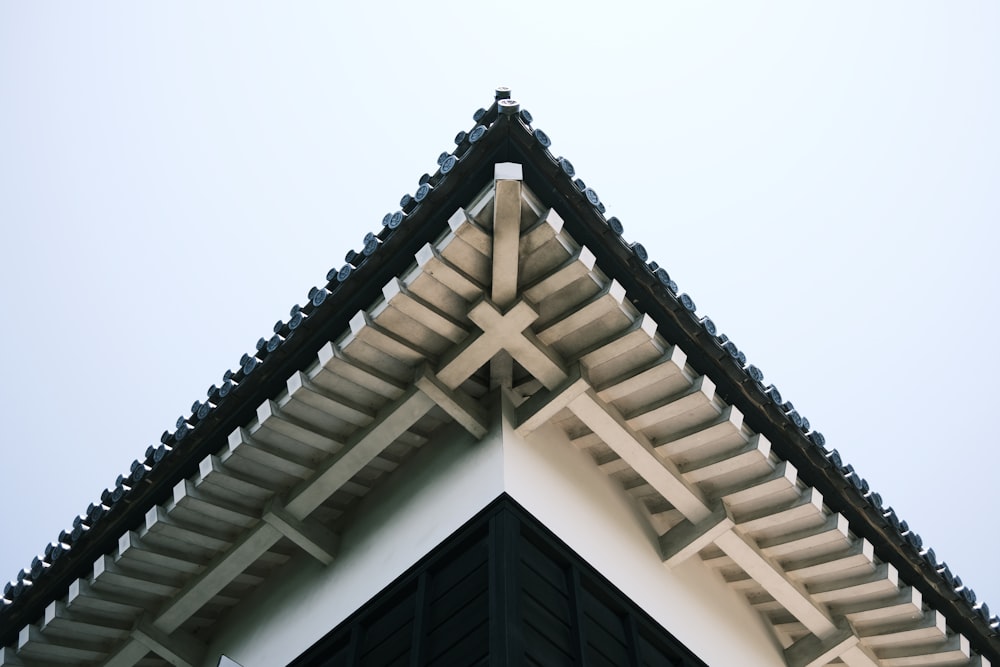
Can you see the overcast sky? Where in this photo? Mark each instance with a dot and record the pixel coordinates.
(821, 178)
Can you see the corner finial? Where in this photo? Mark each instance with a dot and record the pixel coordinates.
(508, 107)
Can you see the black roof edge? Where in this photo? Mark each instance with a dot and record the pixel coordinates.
(502, 142)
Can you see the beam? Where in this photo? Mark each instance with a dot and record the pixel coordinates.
(60, 620)
(178, 649)
(698, 395)
(9, 658)
(159, 521)
(760, 492)
(502, 371)
(335, 367)
(463, 226)
(580, 264)
(860, 656)
(392, 422)
(860, 554)
(128, 654)
(33, 645)
(458, 405)
(725, 425)
(271, 418)
(310, 536)
(81, 597)
(506, 238)
(398, 297)
(928, 629)
(728, 424)
(791, 596)
(755, 450)
(548, 227)
(811, 651)
(243, 445)
(807, 505)
(634, 449)
(904, 606)
(200, 590)
(107, 572)
(669, 366)
(883, 582)
(230, 484)
(542, 406)
(365, 330)
(501, 331)
(188, 496)
(507, 329)
(687, 539)
(304, 391)
(817, 539)
(584, 314)
(433, 264)
(641, 332)
(478, 349)
(955, 650)
(132, 550)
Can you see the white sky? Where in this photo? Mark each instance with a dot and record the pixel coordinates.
(821, 178)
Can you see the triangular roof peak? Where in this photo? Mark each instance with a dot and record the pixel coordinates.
(500, 276)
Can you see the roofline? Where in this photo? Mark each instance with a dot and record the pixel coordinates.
(761, 413)
(507, 138)
(266, 381)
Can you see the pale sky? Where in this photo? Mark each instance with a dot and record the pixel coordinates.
(822, 179)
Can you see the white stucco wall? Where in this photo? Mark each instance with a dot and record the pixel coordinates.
(564, 489)
(436, 491)
(443, 486)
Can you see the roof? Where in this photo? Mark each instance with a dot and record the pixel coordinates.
(725, 466)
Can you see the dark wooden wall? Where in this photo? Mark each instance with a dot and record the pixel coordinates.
(502, 590)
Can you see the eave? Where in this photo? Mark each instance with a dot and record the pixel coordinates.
(510, 140)
(764, 415)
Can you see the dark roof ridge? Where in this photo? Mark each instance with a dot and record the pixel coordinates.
(261, 375)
